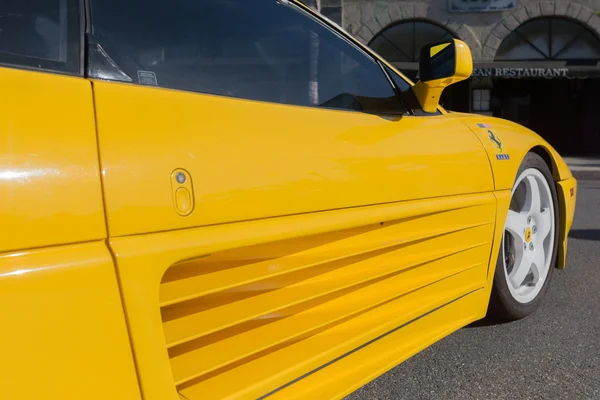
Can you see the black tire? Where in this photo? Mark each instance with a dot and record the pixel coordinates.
(503, 305)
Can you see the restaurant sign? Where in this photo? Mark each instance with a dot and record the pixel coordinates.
(481, 5)
(522, 72)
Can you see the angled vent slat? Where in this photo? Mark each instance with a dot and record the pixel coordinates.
(220, 271)
(333, 278)
(256, 377)
(195, 363)
(268, 311)
(215, 273)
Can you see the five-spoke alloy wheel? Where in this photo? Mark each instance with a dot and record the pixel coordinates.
(529, 244)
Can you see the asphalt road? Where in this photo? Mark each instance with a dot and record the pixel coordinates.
(552, 354)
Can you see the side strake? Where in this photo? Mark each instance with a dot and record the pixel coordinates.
(355, 368)
(244, 309)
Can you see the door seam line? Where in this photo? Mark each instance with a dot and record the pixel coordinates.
(109, 248)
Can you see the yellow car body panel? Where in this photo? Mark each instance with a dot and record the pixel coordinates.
(237, 310)
(507, 143)
(162, 245)
(358, 368)
(248, 160)
(49, 179)
(64, 334)
(567, 195)
(505, 138)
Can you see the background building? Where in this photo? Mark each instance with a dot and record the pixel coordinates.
(536, 62)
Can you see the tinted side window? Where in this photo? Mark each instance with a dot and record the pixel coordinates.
(42, 34)
(408, 97)
(265, 50)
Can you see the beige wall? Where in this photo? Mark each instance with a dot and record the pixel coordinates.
(483, 31)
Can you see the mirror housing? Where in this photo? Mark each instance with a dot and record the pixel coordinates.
(441, 65)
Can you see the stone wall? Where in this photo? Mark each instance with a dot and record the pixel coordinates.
(483, 31)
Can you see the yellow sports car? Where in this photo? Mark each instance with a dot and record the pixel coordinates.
(235, 199)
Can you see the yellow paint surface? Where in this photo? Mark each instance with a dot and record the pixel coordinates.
(301, 253)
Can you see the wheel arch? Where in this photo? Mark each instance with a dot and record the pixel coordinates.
(551, 160)
(547, 157)
(565, 188)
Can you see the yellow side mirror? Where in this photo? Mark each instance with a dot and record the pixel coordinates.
(441, 65)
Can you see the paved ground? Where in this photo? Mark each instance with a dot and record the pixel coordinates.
(553, 354)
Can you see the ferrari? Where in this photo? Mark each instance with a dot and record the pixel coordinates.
(233, 199)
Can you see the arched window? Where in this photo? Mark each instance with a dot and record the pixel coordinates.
(402, 42)
(550, 38)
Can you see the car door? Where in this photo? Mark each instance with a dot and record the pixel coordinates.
(264, 182)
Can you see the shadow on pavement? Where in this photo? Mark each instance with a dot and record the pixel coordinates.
(585, 234)
(487, 321)
(587, 164)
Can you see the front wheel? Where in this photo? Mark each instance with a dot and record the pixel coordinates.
(529, 243)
